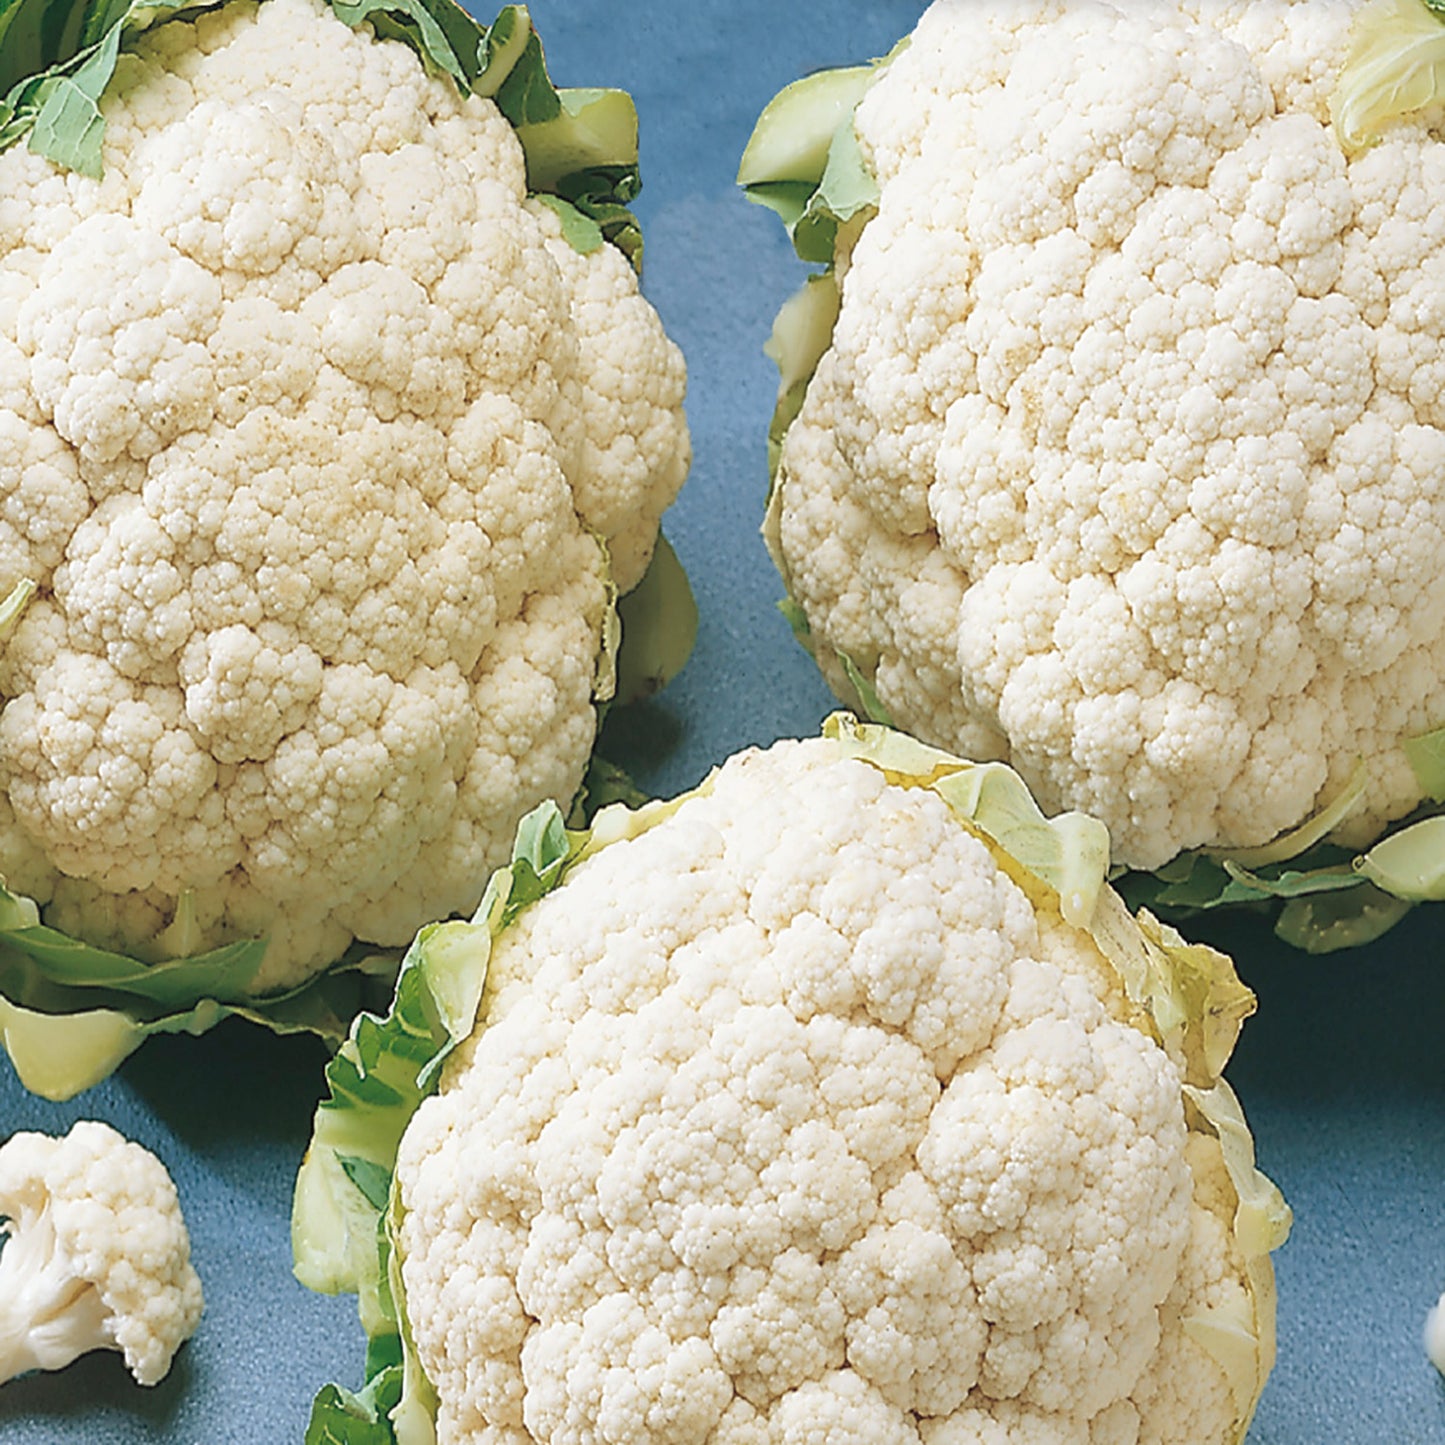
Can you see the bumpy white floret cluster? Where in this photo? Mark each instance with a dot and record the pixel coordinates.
(315, 435)
(1127, 462)
(829, 1136)
(95, 1256)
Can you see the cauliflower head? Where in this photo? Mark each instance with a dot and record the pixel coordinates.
(800, 1112)
(1125, 459)
(326, 452)
(96, 1254)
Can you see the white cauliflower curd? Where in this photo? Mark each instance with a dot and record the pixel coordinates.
(326, 451)
(1125, 459)
(798, 1111)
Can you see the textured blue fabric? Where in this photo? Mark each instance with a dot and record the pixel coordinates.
(1341, 1072)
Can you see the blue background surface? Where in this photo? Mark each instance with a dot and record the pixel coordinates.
(1342, 1072)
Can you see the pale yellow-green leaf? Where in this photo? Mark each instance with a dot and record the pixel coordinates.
(1410, 864)
(1395, 68)
(60, 1055)
(1427, 760)
(1244, 1348)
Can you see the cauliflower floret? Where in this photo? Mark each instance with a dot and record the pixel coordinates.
(96, 1254)
(315, 437)
(1133, 365)
(831, 1132)
(1434, 1334)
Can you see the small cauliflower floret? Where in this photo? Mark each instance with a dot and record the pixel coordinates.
(95, 1254)
(1134, 365)
(797, 1118)
(327, 456)
(1434, 1335)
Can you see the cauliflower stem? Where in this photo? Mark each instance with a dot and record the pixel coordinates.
(48, 1316)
